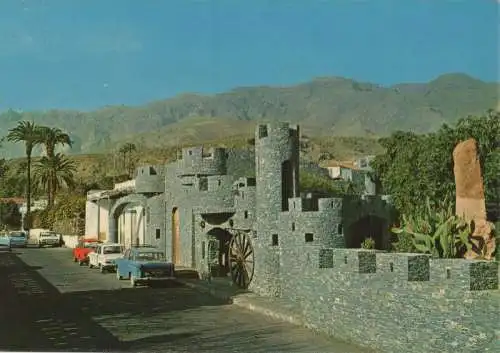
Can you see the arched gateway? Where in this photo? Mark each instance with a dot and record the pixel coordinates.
(116, 210)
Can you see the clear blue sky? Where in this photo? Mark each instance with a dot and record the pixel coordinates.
(89, 53)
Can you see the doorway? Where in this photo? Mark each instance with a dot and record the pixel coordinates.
(176, 236)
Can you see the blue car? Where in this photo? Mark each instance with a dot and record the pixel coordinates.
(144, 265)
(5, 243)
(18, 239)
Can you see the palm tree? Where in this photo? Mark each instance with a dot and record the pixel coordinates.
(54, 173)
(26, 132)
(50, 137)
(125, 150)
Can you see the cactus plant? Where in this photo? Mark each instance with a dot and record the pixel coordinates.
(439, 233)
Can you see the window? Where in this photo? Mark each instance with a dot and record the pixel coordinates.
(293, 226)
(219, 182)
(190, 152)
(309, 237)
(148, 214)
(158, 233)
(245, 214)
(262, 131)
(275, 241)
(339, 228)
(203, 184)
(202, 249)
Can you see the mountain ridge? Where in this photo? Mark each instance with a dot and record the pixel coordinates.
(324, 106)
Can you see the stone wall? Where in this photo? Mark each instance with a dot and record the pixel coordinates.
(392, 302)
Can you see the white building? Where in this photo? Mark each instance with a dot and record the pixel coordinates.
(131, 221)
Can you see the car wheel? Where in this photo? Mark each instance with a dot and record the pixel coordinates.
(75, 259)
(132, 281)
(118, 277)
(90, 265)
(101, 268)
(80, 263)
(39, 245)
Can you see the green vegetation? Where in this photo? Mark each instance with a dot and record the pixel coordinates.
(417, 170)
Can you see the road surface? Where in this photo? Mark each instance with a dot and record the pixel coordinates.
(49, 303)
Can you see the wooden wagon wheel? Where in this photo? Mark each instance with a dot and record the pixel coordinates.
(241, 259)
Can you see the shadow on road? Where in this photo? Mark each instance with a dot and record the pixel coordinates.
(35, 316)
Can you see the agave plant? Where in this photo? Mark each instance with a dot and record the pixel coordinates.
(439, 233)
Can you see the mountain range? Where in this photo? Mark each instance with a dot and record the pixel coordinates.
(324, 107)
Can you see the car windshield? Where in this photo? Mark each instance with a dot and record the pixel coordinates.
(17, 235)
(150, 256)
(115, 249)
(90, 245)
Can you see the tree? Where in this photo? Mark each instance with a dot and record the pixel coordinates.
(126, 151)
(415, 168)
(26, 132)
(50, 137)
(10, 215)
(55, 173)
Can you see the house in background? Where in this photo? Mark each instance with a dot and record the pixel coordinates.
(357, 171)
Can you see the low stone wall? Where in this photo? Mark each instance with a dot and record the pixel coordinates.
(392, 302)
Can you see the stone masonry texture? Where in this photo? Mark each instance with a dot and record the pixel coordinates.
(388, 301)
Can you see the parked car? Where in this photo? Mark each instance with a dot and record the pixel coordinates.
(105, 255)
(18, 239)
(144, 265)
(49, 239)
(5, 243)
(83, 249)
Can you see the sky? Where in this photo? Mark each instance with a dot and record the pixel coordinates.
(84, 54)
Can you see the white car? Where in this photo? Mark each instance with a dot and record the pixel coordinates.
(49, 238)
(105, 255)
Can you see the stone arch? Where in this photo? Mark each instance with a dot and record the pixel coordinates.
(369, 217)
(117, 208)
(368, 226)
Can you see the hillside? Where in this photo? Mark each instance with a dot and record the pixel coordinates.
(331, 106)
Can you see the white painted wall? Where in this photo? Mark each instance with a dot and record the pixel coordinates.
(131, 225)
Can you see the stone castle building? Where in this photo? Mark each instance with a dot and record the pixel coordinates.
(302, 248)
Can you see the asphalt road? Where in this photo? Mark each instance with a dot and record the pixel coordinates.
(49, 303)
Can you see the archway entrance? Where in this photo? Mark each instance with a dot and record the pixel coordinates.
(176, 236)
(218, 240)
(367, 227)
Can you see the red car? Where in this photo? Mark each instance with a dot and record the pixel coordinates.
(82, 250)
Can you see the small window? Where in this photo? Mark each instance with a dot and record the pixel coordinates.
(242, 195)
(448, 273)
(202, 249)
(245, 214)
(275, 241)
(293, 226)
(339, 228)
(309, 237)
(152, 171)
(158, 233)
(219, 182)
(262, 131)
(148, 214)
(203, 184)
(391, 266)
(190, 152)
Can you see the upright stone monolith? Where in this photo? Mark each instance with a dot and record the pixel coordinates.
(470, 201)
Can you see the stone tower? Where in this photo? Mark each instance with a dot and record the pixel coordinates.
(277, 180)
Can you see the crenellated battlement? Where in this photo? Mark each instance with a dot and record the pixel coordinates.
(149, 179)
(315, 204)
(202, 161)
(387, 269)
